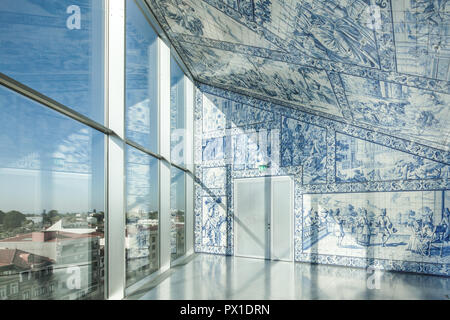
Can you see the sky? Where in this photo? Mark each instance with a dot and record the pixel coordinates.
(48, 161)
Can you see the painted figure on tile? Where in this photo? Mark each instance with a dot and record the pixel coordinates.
(364, 231)
(358, 160)
(214, 222)
(304, 144)
(428, 218)
(352, 218)
(331, 31)
(339, 227)
(426, 238)
(446, 223)
(445, 230)
(313, 218)
(385, 227)
(415, 235)
(323, 215)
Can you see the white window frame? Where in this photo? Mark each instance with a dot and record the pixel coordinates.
(14, 288)
(115, 88)
(3, 292)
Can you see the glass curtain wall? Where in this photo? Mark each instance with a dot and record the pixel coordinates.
(141, 79)
(52, 181)
(141, 128)
(178, 210)
(54, 137)
(177, 150)
(177, 114)
(142, 215)
(56, 48)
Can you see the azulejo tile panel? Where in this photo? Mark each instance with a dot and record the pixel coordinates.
(214, 221)
(384, 225)
(347, 59)
(358, 160)
(253, 149)
(422, 34)
(304, 144)
(331, 30)
(198, 18)
(214, 148)
(285, 82)
(219, 114)
(398, 108)
(339, 217)
(214, 177)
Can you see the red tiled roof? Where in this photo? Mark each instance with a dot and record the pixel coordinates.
(6, 256)
(21, 259)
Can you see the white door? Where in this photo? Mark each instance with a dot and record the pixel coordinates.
(281, 226)
(251, 218)
(263, 215)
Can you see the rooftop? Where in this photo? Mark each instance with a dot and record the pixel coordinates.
(22, 259)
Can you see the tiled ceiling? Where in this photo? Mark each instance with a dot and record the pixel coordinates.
(376, 63)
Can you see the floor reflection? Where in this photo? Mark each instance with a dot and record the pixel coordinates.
(215, 277)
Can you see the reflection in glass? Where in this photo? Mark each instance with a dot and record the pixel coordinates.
(178, 209)
(51, 204)
(142, 216)
(56, 48)
(177, 114)
(141, 123)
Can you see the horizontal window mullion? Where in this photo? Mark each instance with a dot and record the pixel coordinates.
(180, 167)
(155, 155)
(44, 100)
(54, 105)
(145, 150)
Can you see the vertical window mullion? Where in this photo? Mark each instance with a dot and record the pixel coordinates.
(116, 147)
(164, 151)
(189, 151)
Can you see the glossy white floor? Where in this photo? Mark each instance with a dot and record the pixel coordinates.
(204, 276)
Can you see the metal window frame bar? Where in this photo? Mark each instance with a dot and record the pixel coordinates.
(189, 93)
(164, 151)
(115, 182)
(44, 100)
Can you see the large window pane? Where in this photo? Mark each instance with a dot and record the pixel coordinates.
(141, 79)
(177, 114)
(142, 215)
(51, 203)
(56, 48)
(178, 209)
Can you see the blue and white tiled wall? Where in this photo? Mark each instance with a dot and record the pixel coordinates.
(336, 167)
(349, 60)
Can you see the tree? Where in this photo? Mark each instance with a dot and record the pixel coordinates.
(2, 216)
(13, 219)
(51, 217)
(100, 216)
(53, 213)
(153, 214)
